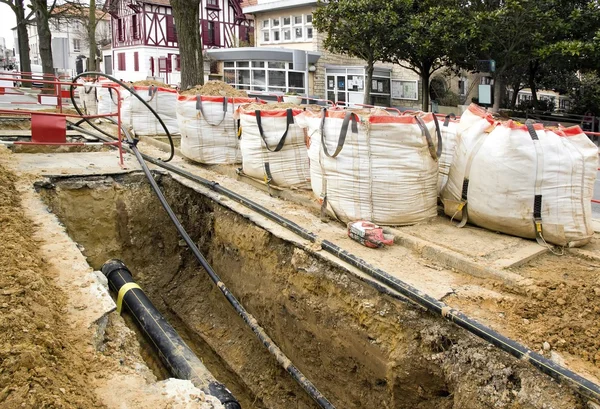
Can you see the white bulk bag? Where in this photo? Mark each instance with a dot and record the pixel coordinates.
(107, 98)
(379, 168)
(273, 147)
(312, 125)
(449, 130)
(88, 102)
(209, 133)
(523, 180)
(138, 117)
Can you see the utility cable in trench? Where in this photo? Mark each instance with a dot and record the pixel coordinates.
(559, 373)
(260, 333)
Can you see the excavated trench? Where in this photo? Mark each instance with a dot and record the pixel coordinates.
(361, 348)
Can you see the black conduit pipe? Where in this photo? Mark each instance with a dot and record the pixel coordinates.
(260, 333)
(132, 91)
(174, 352)
(559, 373)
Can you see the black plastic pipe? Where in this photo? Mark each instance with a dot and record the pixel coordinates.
(559, 373)
(174, 352)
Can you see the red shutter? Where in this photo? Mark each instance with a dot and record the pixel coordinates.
(244, 33)
(136, 61)
(171, 30)
(135, 32)
(120, 33)
(217, 26)
(205, 39)
(121, 61)
(152, 65)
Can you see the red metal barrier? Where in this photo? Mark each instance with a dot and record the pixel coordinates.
(49, 128)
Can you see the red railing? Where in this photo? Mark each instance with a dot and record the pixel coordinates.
(57, 87)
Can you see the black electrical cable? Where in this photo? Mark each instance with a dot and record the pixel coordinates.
(260, 333)
(133, 92)
(559, 373)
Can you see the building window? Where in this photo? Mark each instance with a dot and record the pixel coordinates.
(76, 45)
(136, 61)
(210, 33)
(296, 28)
(171, 30)
(213, 4)
(121, 61)
(135, 29)
(272, 76)
(405, 90)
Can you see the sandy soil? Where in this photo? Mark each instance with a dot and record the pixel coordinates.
(46, 359)
(39, 353)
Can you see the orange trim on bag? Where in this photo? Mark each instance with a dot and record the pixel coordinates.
(404, 119)
(518, 126)
(273, 113)
(571, 131)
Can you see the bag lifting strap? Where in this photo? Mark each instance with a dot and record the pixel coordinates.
(537, 198)
(152, 91)
(289, 121)
(435, 153)
(464, 197)
(199, 108)
(341, 141)
(350, 116)
(447, 119)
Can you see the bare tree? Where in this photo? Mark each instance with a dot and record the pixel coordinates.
(89, 15)
(42, 17)
(22, 37)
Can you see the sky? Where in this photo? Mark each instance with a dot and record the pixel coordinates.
(8, 21)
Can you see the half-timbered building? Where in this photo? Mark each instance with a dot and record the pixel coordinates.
(144, 36)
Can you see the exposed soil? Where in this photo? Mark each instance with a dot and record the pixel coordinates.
(46, 359)
(39, 352)
(557, 314)
(216, 89)
(147, 83)
(361, 348)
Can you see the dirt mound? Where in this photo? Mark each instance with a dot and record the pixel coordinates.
(147, 83)
(39, 363)
(216, 89)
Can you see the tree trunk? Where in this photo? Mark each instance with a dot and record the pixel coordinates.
(498, 92)
(369, 82)
(513, 100)
(23, 40)
(187, 20)
(45, 37)
(91, 32)
(533, 67)
(425, 80)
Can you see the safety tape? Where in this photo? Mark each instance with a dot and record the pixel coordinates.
(122, 291)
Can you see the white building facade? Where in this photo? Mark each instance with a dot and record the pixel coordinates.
(145, 36)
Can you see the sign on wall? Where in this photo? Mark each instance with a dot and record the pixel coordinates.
(403, 89)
